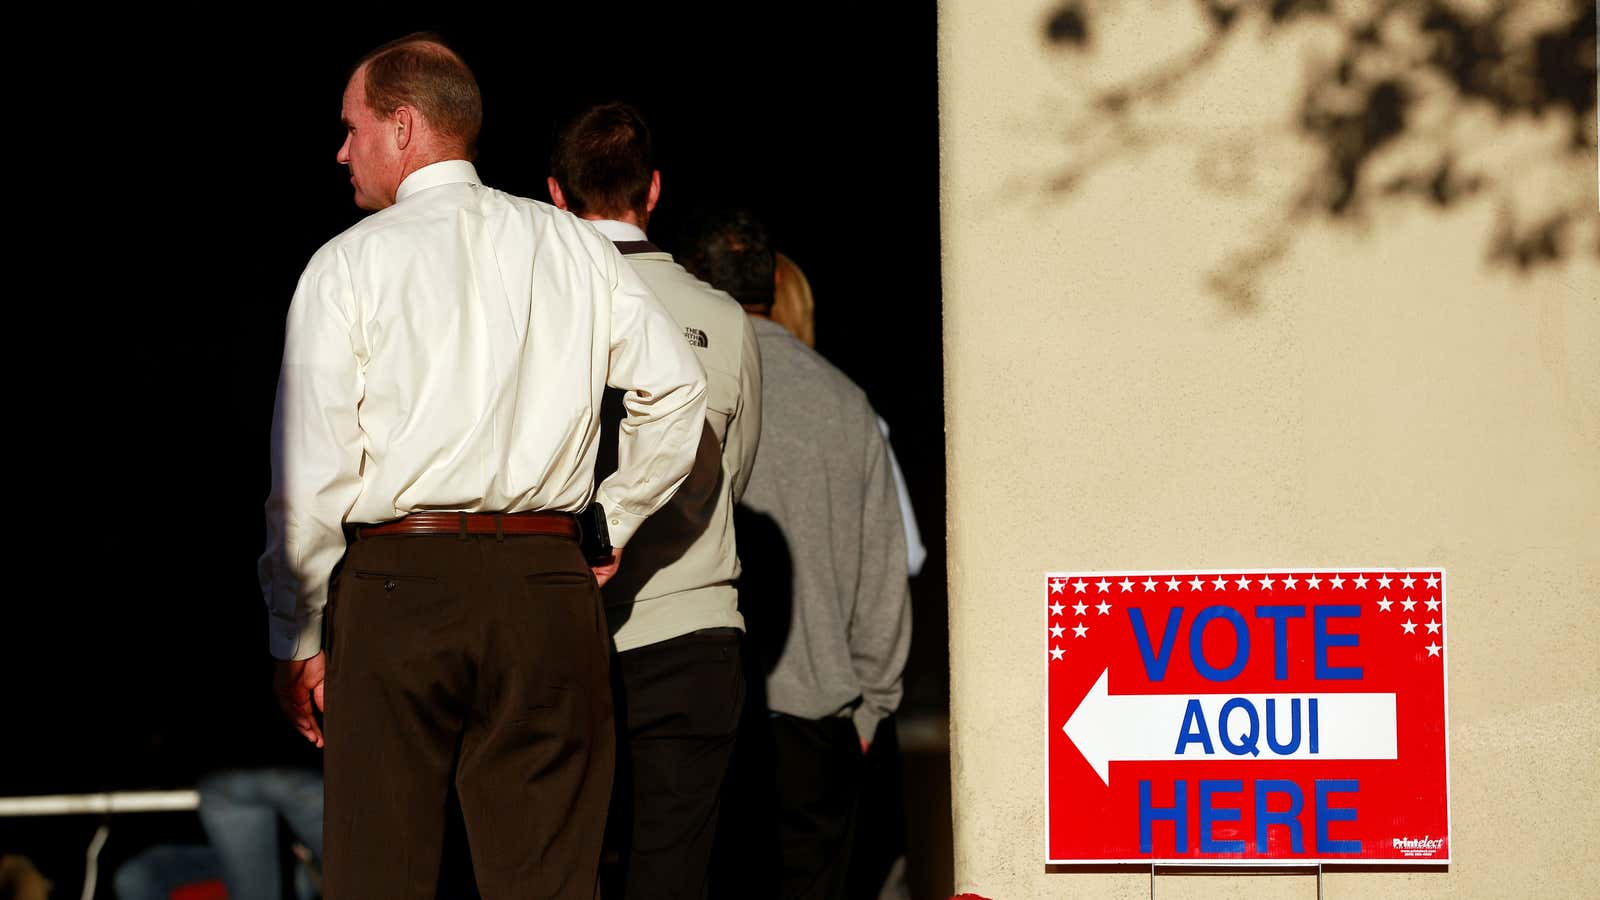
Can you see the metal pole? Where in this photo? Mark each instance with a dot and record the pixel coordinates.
(103, 804)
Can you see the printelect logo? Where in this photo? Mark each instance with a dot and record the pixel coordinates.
(1422, 846)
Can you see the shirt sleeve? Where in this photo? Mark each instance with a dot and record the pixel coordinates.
(880, 624)
(744, 429)
(916, 553)
(317, 448)
(664, 398)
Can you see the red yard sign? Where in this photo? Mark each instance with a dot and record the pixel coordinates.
(1282, 716)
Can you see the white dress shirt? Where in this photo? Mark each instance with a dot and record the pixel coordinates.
(619, 231)
(450, 353)
(916, 553)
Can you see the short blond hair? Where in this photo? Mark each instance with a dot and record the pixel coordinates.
(792, 306)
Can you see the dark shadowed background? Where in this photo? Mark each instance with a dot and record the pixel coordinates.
(199, 217)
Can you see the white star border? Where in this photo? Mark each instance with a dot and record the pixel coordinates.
(1427, 581)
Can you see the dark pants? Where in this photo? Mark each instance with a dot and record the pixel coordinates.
(678, 708)
(818, 766)
(478, 662)
(792, 796)
(880, 815)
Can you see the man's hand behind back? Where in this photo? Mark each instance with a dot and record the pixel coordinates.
(297, 683)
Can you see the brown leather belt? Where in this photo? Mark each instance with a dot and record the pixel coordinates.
(499, 524)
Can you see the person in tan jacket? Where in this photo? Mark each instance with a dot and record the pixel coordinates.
(672, 607)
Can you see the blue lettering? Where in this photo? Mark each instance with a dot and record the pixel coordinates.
(1241, 643)
(1249, 742)
(1322, 640)
(1312, 724)
(1177, 814)
(1272, 726)
(1155, 664)
(1194, 729)
(1280, 616)
(1289, 818)
(1326, 814)
(1210, 815)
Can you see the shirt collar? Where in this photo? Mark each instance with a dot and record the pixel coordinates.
(618, 231)
(450, 171)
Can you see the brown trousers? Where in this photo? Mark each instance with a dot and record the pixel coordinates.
(478, 662)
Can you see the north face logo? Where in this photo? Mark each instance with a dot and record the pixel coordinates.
(696, 337)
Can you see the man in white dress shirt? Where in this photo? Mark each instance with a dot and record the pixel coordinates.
(673, 607)
(435, 431)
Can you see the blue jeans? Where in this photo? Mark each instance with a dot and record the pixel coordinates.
(240, 811)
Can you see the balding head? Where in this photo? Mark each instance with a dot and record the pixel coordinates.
(418, 71)
(408, 104)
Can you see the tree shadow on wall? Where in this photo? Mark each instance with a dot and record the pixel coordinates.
(1417, 72)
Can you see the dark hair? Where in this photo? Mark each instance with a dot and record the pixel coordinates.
(421, 71)
(731, 250)
(603, 160)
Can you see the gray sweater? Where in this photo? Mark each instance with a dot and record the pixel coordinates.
(824, 587)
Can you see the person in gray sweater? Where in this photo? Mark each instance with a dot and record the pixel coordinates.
(824, 590)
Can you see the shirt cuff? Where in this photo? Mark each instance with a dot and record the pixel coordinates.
(621, 526)
(291, 639)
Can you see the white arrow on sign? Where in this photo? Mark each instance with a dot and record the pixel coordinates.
(1147, 727)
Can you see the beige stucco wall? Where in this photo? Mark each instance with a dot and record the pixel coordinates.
(1388, 397)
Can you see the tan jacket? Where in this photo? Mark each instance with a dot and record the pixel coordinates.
(678, 572)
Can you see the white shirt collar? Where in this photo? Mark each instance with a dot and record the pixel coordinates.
(450, 171)
(618, 231)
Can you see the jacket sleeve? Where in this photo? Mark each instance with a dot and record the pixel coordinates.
(316, 452)
(880, 624)
(744, 429)
(664, 398)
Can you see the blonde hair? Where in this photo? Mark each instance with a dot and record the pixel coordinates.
(792, 306)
